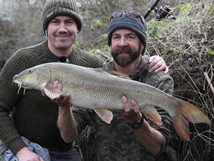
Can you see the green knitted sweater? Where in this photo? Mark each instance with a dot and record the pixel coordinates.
(33, 116)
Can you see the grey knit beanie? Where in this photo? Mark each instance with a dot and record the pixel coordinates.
(55, 8)
(135, 25)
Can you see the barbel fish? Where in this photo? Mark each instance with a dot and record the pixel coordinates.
(102, 89)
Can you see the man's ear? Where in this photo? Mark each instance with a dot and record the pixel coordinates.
(142, 46)
(143, 49)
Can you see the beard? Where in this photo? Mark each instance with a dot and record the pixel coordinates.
(124, 61)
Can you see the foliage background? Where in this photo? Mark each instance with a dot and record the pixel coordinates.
(186, 44)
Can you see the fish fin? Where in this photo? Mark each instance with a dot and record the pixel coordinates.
(105, 115)
(52, 92)
(112, 72)
(188, 112)
(151, 113)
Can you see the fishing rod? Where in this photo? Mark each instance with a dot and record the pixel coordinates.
(163, 12)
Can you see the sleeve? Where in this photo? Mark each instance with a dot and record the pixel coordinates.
(166, 84)
(8, 99)
(83, 117)
(84, 58)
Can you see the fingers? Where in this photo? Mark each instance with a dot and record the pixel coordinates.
(129, 114)
(25, 154)
(43, 93)
(126, 106)
(166, 70)
(40, 159)
(135, 106)
(57, 85)
(160, 68)
(157, 64)
(62, 101)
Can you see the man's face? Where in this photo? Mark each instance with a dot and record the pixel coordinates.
(62, 32)
(125, 47)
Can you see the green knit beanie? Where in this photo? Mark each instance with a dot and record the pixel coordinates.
(55, 8)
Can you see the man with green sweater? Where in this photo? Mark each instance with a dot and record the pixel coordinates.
(34, 116)
(31, 132)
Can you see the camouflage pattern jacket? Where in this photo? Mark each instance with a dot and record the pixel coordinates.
(118, 141)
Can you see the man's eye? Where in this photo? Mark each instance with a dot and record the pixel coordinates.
(54, 21)
(116, 37)
(69, 22)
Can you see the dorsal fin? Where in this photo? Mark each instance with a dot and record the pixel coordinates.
(112, 72)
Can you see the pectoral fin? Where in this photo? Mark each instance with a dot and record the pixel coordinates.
(105, 115)
(52, 92)
(151, 113)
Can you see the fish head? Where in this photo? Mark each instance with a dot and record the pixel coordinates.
(33, 78)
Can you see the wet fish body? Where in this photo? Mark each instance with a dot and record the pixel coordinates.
(102, 89)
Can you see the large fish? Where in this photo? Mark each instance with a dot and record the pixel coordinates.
(102, 89)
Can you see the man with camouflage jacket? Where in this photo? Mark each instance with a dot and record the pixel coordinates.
(130, 136)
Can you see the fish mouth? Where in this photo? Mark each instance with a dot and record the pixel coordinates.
(19, 83)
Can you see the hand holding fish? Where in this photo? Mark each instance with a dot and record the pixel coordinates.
(157, 64)
(129, 114)
(151, 138)
(65, 112)
(68, 124)
(62, 101)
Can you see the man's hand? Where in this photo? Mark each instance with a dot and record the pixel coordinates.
(62, 101)
(129, 114)
(66, 121)
(151, 138)
(26, 155)
(157, 64)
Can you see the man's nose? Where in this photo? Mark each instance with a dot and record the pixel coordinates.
(62, 27)
(123, 42)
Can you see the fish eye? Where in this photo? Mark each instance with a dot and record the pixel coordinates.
(30, 71)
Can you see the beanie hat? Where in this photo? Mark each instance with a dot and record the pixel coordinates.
(55, 8)
(135, 25)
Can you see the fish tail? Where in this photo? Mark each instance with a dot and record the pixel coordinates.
(187, 113)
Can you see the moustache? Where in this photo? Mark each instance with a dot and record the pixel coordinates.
(63, 34)
(125, 49)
